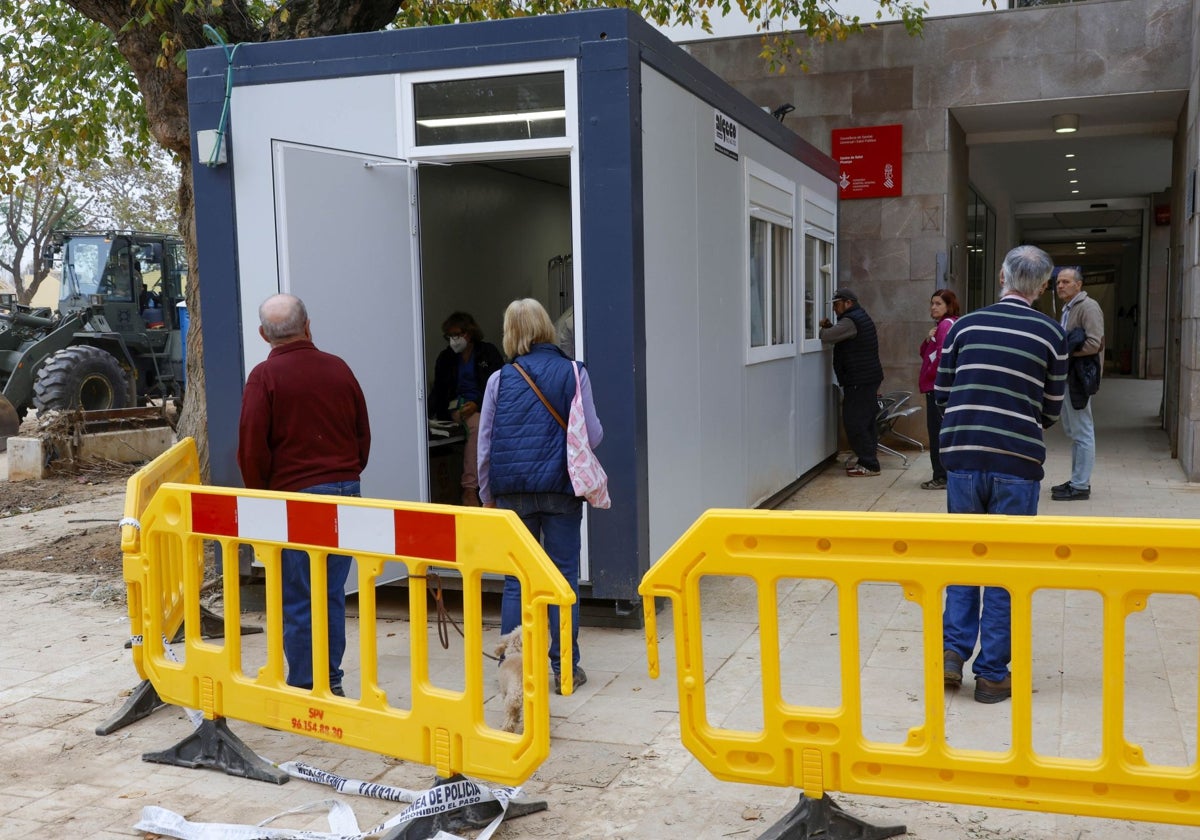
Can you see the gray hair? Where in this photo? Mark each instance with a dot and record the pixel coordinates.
(282, 317)
(1026, 270)
(1074, 270)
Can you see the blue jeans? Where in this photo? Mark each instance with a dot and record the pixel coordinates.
(1078, 425)
(554, 519)
(963, 621)
(297, 603)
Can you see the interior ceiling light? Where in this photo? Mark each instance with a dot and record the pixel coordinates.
(492, 119)
(1069, 155)
(1074, 181)
(1065, 123)
(1072, 168)
(1074, 192)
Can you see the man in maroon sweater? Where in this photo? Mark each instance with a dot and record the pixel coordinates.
(304, 428)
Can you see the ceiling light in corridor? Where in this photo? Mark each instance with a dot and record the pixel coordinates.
(1065, 123)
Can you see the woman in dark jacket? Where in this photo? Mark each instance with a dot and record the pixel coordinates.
(523, 457)
(460, 375)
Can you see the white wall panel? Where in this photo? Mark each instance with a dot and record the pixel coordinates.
(356, 114)
(720, 432)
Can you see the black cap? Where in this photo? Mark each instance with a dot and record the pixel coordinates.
(845, 294)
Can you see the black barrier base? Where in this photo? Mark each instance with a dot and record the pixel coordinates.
(460, 819)
(824, 819)
(141, 703)
(144, 700)
(213, 745)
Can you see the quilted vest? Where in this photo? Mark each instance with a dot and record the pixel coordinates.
(856, 361)
(529, 448)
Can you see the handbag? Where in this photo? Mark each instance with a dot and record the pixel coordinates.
(588, 478)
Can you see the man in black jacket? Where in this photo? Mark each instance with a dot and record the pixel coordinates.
(856, 365)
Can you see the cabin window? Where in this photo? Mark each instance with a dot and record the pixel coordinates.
(819, 270)
(771, 312)
(486, 110)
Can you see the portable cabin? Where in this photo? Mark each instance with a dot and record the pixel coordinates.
(393, 177)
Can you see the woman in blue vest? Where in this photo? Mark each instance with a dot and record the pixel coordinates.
(523, 456)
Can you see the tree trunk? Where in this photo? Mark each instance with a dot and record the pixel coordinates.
(193, 422)
(164, 91)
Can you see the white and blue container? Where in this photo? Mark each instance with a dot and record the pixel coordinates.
(391, 178)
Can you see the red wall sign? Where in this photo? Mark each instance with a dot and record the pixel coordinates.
(869, 161)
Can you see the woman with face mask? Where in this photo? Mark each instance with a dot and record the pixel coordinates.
(459, 376)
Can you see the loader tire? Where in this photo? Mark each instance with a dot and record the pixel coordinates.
(80, 377)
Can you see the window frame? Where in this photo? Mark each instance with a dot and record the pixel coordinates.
(819, 222)
(493, 149)
(774, 217)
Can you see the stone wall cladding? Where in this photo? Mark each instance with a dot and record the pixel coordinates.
(887, 251)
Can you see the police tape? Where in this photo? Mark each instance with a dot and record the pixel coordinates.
(440, 799)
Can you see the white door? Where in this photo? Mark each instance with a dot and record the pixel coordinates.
(347, 249)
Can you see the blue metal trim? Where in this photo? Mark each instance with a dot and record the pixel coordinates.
(494, 43)
(220, 307)
(613, 266)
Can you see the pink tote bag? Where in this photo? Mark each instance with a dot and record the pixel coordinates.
(587, 476)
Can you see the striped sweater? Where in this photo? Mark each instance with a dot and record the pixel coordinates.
(1001, 378)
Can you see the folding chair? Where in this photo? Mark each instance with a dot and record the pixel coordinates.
(892, 407)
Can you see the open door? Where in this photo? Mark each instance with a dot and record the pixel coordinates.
(346, 248)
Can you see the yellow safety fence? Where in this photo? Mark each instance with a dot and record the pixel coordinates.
(818, 749)
(443, 727)
(178, 465)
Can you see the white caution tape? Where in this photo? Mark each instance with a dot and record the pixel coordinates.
(343, 826)
(195, 716)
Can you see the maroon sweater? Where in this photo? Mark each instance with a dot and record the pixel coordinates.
(304, 421)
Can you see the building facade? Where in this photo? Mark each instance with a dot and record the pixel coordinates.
(979, 98)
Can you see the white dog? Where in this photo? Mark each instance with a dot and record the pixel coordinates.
(512, 679)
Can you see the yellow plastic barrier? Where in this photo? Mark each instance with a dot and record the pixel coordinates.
(178, 465)
(820, 748)
(444, 728)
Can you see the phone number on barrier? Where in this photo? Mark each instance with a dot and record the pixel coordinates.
(317, 728)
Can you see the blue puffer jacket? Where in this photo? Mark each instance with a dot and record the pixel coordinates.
(529, 448)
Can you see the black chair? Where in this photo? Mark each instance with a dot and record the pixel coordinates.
(892, 407)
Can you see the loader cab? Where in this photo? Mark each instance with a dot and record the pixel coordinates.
(133, 280)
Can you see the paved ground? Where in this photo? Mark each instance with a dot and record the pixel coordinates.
(617, 769)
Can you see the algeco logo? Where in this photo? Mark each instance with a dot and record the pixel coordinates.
(725, 135)
(726, 130)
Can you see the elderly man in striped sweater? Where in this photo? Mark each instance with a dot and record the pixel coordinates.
(1002, 377)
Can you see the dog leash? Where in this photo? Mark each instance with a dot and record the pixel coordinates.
(444, 619)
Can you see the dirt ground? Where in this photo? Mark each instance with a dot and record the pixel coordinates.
(94, 549)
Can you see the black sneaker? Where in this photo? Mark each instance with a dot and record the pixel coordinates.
(1071, 494)
(580, 679)
(1061, 488)
(337, 691)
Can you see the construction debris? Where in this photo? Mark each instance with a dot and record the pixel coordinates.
(93, 442)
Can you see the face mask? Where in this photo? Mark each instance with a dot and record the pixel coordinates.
(458, 344)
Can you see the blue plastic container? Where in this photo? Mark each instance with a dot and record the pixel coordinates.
(181, 311)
